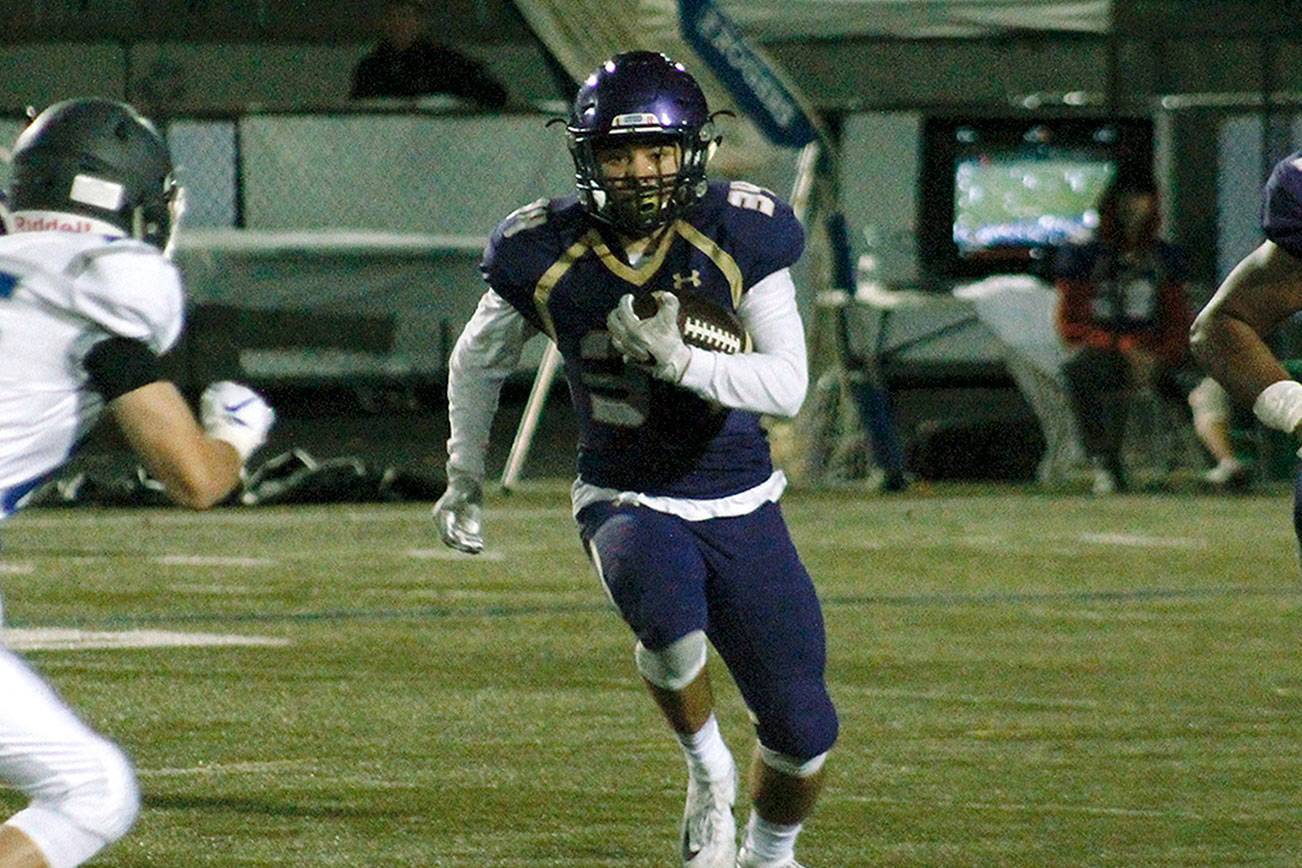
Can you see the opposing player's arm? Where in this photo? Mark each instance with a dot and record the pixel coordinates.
(198, 471)
(198, 465)
(1229, 334)
(773, 378)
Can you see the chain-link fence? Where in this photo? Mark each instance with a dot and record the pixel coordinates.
(441, 174)
(297, 225)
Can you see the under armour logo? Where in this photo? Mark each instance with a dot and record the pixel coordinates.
(681, 280)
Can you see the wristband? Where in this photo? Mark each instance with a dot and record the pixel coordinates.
(1279, 406)
(244, 440)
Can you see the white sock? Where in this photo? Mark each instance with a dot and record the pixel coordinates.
(770, 842)
(706, 752)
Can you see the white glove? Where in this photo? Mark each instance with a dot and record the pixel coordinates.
(458, 513)
(236, 414)
(654, 342)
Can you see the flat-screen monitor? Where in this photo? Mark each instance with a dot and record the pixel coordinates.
(997, 195)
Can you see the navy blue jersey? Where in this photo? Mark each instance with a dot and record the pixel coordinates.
(1281, 207)
(564, 274)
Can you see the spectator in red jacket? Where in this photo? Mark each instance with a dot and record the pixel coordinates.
(1124, 310)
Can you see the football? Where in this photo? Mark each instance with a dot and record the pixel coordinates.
(701, 322)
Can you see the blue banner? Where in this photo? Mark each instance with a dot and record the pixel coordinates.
(756, 87)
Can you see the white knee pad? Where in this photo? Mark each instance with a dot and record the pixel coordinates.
(676, 665)
(791, 766)
(86, 804)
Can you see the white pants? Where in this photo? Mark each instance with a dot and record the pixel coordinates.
(82, 791)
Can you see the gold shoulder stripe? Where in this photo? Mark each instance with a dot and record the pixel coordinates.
(725, 262)
(542, 290)
(638, 276)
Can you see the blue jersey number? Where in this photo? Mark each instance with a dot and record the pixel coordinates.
(7, 283)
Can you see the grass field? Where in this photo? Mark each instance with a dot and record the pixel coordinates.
(1023, 679)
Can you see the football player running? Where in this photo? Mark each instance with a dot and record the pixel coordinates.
(1264, 289)
(676, 495)
(88, 302)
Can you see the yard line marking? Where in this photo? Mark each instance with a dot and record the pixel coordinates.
(199, 588)
(263, 516)
(1142, 541)
(1003, 543)
(447, 554)
(17, 569)
(1122, 595)
(506, 610)
(851, 546)
(212, 561)
(1055, 808)
(985, 539)
(240, 768)
(72, 639)
(977, 699)
(431, 613)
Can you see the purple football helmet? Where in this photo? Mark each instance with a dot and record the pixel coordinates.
(640, 97)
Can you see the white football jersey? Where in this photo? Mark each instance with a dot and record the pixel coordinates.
(60, 294)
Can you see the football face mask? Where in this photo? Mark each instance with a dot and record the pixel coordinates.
(639, 178)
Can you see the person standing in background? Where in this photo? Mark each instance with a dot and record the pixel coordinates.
(408, 63)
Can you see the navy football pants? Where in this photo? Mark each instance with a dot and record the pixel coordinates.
(741, 581)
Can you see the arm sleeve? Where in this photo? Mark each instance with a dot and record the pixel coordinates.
(774, 377)
(116, 366)
(1172, 341)
(485, 354)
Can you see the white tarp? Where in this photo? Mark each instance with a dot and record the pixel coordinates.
(582, 33)
(913, 19)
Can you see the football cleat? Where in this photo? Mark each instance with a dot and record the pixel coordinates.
(745, 860)
(709, 833)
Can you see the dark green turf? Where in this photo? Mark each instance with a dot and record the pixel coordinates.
(1024, 680)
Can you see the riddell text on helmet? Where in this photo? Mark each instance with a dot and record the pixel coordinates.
(46, 221)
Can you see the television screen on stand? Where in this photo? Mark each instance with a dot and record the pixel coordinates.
(997, 195)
